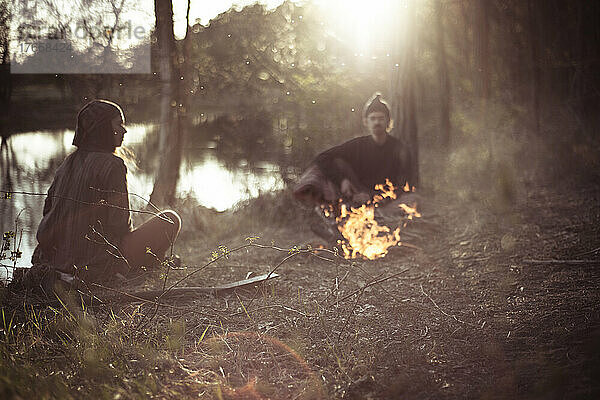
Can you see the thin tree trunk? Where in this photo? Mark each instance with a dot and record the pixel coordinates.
(535, 63)
(579, 82)
(5, 76)
(5, 91)
(466, 42)
(165, 43)
(482, 69)
(170, 132)
(443, 77)
(402, 95)
(481, 49)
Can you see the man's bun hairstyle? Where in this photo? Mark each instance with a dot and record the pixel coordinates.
(376, 104)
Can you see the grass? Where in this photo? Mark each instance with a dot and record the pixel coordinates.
(106, 350)
(456, 324)
(73, 351)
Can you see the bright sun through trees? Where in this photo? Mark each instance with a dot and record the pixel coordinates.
(364, 26)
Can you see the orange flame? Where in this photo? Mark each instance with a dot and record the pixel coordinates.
(363, 235)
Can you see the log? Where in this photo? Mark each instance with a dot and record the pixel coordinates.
(192, 291)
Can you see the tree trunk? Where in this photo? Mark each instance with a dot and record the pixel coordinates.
(5, 95)
(482, 69)
(465, 46)
(5, 76)
(402, 93)
(481, 50)
(534, 38)
(170, 132)
(443, 76)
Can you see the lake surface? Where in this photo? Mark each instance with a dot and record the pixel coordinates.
(29, 160)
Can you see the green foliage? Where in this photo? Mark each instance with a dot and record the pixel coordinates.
(276, 78)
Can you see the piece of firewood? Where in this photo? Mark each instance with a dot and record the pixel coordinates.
(194, 290)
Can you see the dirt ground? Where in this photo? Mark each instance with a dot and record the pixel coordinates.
(474, 311)
(490, 299)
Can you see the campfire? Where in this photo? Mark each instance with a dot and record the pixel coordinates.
(363, 235)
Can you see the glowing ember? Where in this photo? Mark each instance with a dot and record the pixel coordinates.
(363, 235)
(410, 211)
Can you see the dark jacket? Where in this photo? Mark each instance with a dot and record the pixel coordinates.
(370, 162)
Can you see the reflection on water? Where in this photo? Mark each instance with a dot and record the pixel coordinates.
(29, 161)
(220, 188)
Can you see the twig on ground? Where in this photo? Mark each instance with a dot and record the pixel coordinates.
(215, 259)
(551, 261)
(152, 302)
(438, 307)
(372, 283)
(596, 250)
(291, 255)
(287, 308)
(350, 316)
(166, 291)
(410, 246)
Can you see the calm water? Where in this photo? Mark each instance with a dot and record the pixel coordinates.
(29, 161)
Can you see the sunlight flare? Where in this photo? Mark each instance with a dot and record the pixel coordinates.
(365, 27)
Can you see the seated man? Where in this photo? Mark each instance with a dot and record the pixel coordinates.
(351, 170)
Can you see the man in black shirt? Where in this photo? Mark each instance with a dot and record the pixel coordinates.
(352, 169)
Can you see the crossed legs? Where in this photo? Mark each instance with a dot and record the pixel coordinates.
(158, 234)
